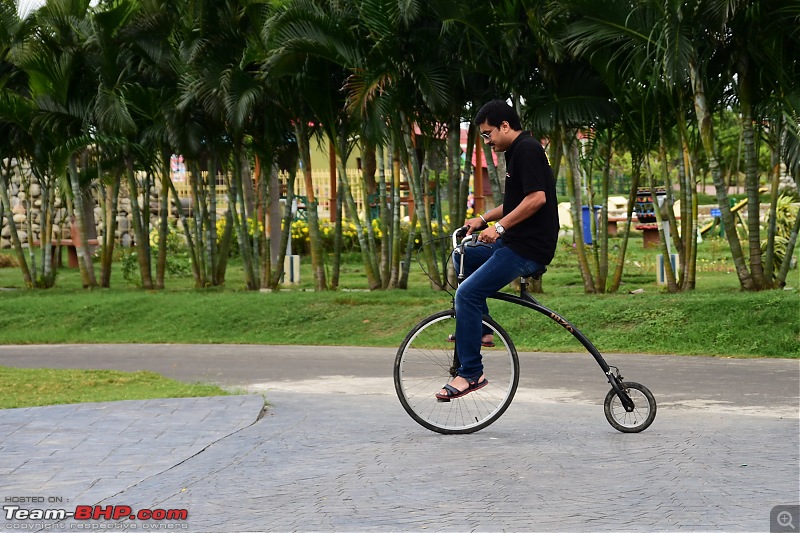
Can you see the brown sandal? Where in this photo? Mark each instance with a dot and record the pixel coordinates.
(452, 393)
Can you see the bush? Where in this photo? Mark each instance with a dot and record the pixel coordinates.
(301, 242)
(8, 261)
(234, 247)
(786, 215)
(178, 262)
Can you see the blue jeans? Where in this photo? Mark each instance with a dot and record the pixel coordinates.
(489, 268)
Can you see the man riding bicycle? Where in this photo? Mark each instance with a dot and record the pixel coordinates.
(521, 242)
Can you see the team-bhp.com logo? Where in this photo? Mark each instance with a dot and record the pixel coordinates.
(148, 518)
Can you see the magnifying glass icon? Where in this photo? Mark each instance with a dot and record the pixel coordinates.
(785, 519)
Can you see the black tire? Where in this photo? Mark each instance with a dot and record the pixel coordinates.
(640, 418)
(424, 363)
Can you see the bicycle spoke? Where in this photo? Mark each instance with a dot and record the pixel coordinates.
(643, 413)
(423, 366)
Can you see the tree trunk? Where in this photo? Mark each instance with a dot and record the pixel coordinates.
(394, 279)
(709, 144)
(276, 228)
(573, 177)
(190, 240)
(216, 256)
(460, 209)
(248, 192)
(751, 175)
(317, 258)
(5, 176)
(139, 227)
(337, 236)
(385, 219)
(669, 274)
(163, 222)
(688, 198)
(373, 252)
(285, 227)
(223, 251)
(586, 171)
(81, 243)
(199, 216)
(243, 217)
(415, 178)
(27, 204)
(373, 281)
(636, 170)
(238, 210)
(780, 280)
(665, 210)
(453, 183)
(47, 208)
(602, 234)
(668, 209)
(111, 201)
(775, 176)
(494, 177)
(412, 235)
(260, 219)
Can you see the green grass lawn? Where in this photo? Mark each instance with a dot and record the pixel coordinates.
(23, 387)
(715, 319)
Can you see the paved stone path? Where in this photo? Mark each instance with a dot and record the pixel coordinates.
(340, 454)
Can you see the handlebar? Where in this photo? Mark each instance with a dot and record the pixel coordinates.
(460, 236)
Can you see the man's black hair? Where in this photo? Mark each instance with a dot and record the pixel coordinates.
(496, 112)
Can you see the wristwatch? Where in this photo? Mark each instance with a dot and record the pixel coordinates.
(499, 228)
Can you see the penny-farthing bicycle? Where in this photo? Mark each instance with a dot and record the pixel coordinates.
(427, 358)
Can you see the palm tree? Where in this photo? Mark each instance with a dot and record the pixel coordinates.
(60, 81)
(675, 41)
(570, 103)
(404, 85)
(116, 130)
(325, 38)
(289, 60)
(239, 94)
(757, 41)
(15, 139)
(204, 136)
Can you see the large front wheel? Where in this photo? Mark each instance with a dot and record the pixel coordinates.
(426, 361)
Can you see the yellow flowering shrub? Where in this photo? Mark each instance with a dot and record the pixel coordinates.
(301, 241)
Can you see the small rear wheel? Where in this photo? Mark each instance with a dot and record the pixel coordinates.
(426, 361)
(644, 410)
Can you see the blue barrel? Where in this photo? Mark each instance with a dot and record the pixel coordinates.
(587, 223)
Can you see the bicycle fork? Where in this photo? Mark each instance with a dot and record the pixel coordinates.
(614, 378)
(616, 384)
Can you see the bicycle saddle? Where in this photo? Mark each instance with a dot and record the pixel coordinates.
(537, 275)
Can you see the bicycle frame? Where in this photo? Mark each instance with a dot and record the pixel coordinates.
(525, 299)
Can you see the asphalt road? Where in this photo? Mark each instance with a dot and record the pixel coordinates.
(756, 386)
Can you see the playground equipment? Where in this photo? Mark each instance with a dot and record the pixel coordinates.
(645, 211)
(717, 217)
(646, 215)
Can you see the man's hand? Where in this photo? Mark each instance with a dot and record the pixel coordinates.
(489, 235)
(474, 224)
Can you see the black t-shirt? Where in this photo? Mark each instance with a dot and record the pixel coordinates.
(528, 170)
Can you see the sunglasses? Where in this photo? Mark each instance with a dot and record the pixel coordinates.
(488, 134)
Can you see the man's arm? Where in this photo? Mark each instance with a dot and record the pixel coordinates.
(529, 205)
(481, 221)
